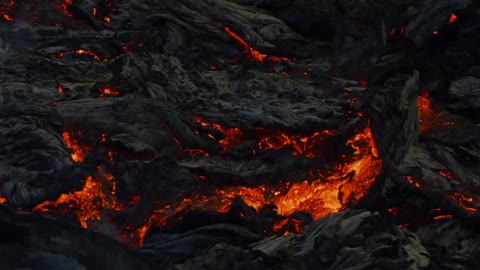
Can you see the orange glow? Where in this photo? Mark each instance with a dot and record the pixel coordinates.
(7, 10)
(429, 117)
(345, 183)
(297, 144)
(2, 200)
(64, 6)
(7, 17)
(281, 225)
(413, 182)
(94, 11)
(465, 201)
(443, 217)
(448, 175)
(338, 187)
(435, 33)
(453, 18)
(82, 51)
(308, 146)
(96, 195)
(108, 92)
(104, 138)
(61, 90)
(107, 19)
(80, 152)
(233, 136)
(251, 53)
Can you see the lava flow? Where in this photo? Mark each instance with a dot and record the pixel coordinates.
(336, 189)
(452, 18)
(429, 116)
(6, 11)
(344, 184)
(83, 52)
(64, 7)
(79, 151)
(297, 144)
(252, 53)
(98, 193)
(108, 92)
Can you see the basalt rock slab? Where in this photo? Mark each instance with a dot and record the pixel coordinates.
(36, 242)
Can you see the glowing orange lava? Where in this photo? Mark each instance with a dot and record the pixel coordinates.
(297, 144)
(7, 17)
(346, 183)
(81, 52)
(452, 18)
(412, 181)
(251, 53)
(97, 194)
(443, 217)
(80, 152)
(307, 145)
(6, 10)
(449, 175)
(339, 186)
(108, 92)
(64, 7)
(61, 90)
(429, 117)
(465, 201)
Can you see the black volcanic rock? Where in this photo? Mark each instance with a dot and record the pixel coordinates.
(238, 134)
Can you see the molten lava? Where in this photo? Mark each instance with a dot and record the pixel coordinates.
(7, 17)
(443, 217)
(452, 18)
(338, 187)
(251, 53)
(61, 90)
(297, 144)
(430, 117)
(466, 202)
(64, 7)
(7, 10)
(322, 196)
(98, 193)
(83, 52)
(108, 92)
(344, 184)
(80, 151)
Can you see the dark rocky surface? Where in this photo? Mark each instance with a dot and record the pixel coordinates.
(253, 134)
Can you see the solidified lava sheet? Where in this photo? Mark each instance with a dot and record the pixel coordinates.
(239, 134)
